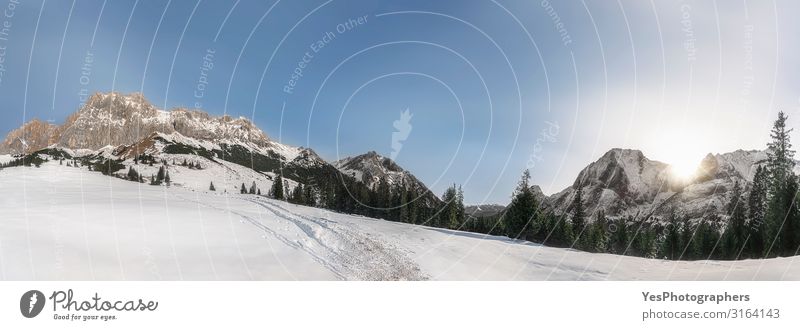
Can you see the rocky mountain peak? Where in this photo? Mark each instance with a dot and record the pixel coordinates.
(371, 167)
(33, 135)
(116, 119)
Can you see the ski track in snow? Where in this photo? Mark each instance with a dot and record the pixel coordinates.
(346, 251)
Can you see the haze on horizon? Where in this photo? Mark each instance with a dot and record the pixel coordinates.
(491, 87)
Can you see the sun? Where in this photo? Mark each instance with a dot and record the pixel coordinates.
(683, 169)
(681, 149)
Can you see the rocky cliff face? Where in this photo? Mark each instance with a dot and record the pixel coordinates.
(371, 168)
(113, 119)
(626, 183)
(32, 136)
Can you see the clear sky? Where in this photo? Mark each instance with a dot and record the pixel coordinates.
(492, 87)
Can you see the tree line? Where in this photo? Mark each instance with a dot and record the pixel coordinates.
(761, 219)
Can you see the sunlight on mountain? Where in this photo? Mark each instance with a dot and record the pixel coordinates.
(683, 170)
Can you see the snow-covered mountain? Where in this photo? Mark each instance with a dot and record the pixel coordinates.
(370, 168)
(624, 182)
(119, 127)
(113, 119)
(484, 210)
(123, 127)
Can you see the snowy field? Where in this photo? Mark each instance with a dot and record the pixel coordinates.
(63, 223)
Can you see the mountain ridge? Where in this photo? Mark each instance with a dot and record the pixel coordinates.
(622, 182)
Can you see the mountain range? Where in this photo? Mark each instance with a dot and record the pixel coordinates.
(622, 182)
(121, 127)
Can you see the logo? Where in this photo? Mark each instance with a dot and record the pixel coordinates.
(31, 303)
(402, 130)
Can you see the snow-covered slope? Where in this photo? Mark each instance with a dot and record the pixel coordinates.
(61, 222)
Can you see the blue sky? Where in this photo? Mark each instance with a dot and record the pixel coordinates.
(494, 87)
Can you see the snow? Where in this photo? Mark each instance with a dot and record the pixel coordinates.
(225, 175)
(60, 222)
(180, 138)
(6, 158)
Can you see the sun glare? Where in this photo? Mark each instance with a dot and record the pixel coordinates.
(684, 170)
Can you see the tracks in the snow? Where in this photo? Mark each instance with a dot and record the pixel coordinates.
(346, 251)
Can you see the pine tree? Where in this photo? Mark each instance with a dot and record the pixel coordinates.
(563, 235)
(243, 190)
(671, 245)
(308, 196)
(618, 242)
(522, 212)
(780, 161)
(161, 175)
(211, 187)
(789, 225)
(132, 174)
(735, 233)
(688, 249)
(277, 187)
(452, 213)
(253, 188)
(578, 216)
(756, 207)
(597, 234)
(780, 156)
(167, 179)
(297, 195)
